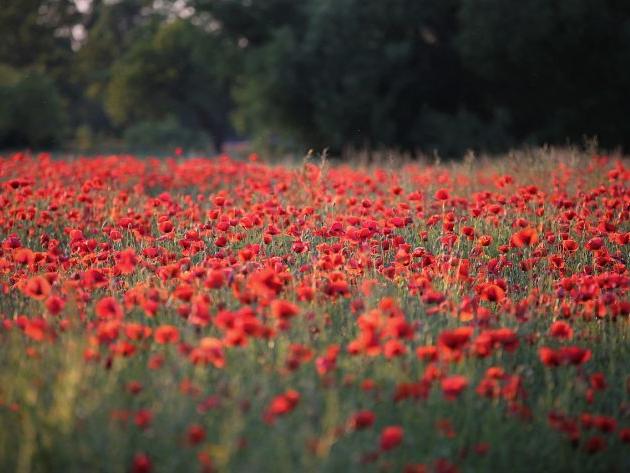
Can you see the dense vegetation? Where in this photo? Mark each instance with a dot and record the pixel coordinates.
(404, 74)
(221, 315)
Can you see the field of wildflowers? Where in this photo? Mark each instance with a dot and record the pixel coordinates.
(223, 315)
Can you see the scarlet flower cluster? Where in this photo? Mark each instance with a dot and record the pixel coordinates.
(200, 314)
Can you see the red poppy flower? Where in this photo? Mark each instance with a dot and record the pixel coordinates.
(391, 437)
(143, 418)
(548, 356)
(141, 463)
(196, 434)
(525, 237)
(126, 261)
(281, 405)
(442, 194)
(166, 227)
(209, 351)
(492, 293)
(282, 309)
(166, 334)
(108, 308)
(362, 420)
(561, 329)
(570, 245)
(37, 287)
(55, 305)
(595, 244)
(453, 386)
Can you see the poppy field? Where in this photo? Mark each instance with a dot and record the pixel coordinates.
(215, 314)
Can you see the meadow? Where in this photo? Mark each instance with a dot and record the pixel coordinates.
(215, 314)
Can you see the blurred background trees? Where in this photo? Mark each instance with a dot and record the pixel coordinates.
(411, 75)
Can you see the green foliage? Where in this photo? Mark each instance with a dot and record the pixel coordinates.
(339, 82)
(403, 74)
(31, 112)
(177, 71)
(451, 134)
(366, 74)
(447, 75)
(35, 55)
(113, 31)
(254, 23)
(560, 68)
(164, 134)
(36, 32)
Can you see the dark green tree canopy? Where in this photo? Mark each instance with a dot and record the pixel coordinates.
(560, 67)
(180, 71)
(399, 74)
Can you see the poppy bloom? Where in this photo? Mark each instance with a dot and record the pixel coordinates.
(598, 381)
(209, 351)
(575, 355)
(36, 329)
(433, 297)
(143, 418)
(492, 293)
(362, 420)
(108, 308)
(488, 340)
(328, 362)
(166, 227)
(441, 194)
(141, 463)
(525, 237)
(55, 304)
(484, 240)
(134, 387)
(394, 348)
(282, 309)
(571, 355)
(215, 279)
(595, 444)
(281, 405)
(37, 287)
(453, 386)
(442, 465)
(452, 342)
(391, 437)
(195, 434)
(570, 245)
(561, 329)
(548, 356)
(427, 353)
(265, 283)
(126, 261)
(136, 331)
(166, 334)
(456, 338)
(595, 244)
(24, 256)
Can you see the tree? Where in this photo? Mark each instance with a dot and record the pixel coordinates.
(362, 73)
(35, 54)
(251, 23)
(36, 33)
(31, 112)
(111, 30)
(560, 68)
(180, 70)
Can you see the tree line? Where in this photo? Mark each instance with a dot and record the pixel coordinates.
(410, 75)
